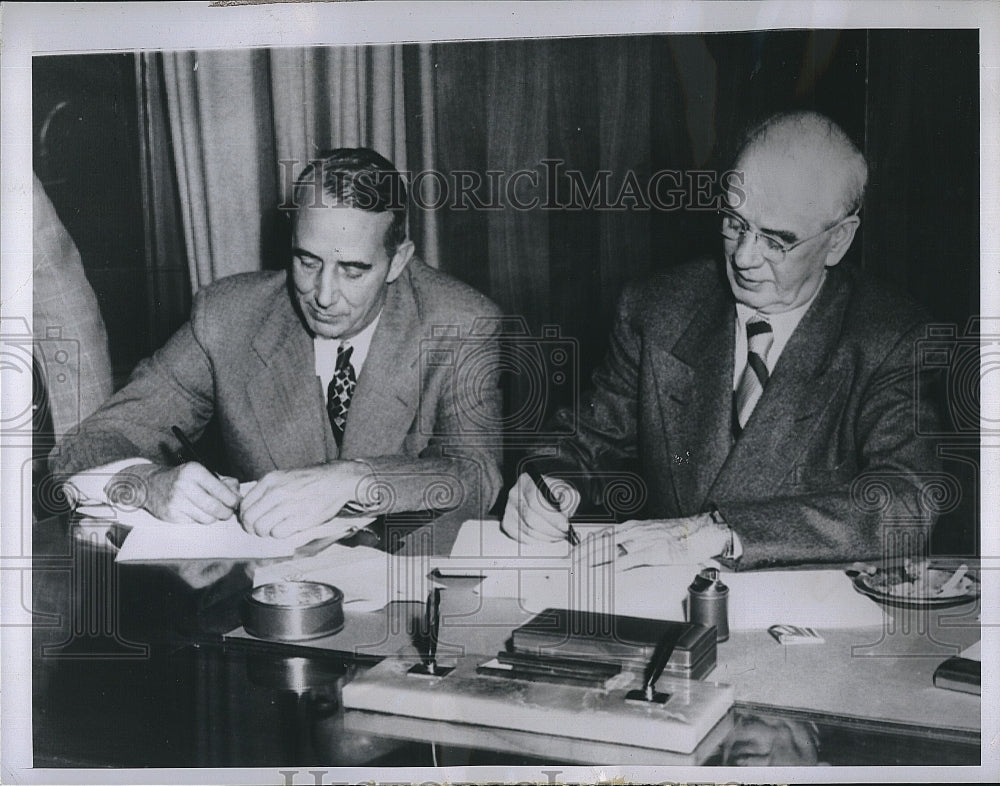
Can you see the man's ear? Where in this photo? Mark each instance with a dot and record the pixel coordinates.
(399, 261)
(841, 239)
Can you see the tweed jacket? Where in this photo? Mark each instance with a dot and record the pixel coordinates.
(830, 461)
(246, 358)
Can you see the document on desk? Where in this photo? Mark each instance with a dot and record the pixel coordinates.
(151, 539)
(544, 576)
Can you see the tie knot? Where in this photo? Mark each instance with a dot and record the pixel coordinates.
(760, 336)
(344, 352)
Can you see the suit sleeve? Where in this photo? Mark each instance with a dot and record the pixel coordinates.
(600, 436)
(883, 505)
(172, 387)
(63, 302)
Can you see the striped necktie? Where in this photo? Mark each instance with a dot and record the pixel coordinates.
(755, 375)
(340, 391)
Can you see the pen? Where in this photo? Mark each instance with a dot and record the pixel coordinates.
(433, 625)
(657, 666)
(551, 499)
(192, 451)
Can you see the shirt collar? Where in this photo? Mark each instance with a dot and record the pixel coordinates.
(782, 322)
(326, 350)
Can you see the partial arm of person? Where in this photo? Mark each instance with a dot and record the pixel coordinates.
(69, 333)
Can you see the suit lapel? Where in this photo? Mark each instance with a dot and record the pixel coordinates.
(807, 376)
(694, 384)
(385, 401)
(283, 391)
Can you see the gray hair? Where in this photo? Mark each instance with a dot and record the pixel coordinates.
(811, 133)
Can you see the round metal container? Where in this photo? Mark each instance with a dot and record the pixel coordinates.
(293, 610)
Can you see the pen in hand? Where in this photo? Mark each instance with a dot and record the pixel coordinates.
(552, 500)
(193, 452)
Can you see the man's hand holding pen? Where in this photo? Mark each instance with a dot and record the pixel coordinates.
(539, 509)
(185, 494)
(280, 504)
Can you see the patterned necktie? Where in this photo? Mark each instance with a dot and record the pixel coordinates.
(339, 392)
(755, 375)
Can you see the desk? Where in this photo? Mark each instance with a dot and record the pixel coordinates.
(155, 667)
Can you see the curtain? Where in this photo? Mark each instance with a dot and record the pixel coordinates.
(244, 123)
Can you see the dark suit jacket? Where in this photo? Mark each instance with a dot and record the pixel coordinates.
(246, 358)
(829, 453)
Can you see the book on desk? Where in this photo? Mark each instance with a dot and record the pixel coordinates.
(962, 672)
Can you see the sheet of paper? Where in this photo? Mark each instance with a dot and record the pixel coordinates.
(973, 652)
(544, 576)
(369, 578)
(151, 539)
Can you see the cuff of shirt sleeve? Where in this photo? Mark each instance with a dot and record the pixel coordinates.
(734, 548)
(88, 487)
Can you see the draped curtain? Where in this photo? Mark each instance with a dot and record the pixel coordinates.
(244, 123)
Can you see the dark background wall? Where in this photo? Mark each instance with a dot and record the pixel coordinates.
(642, 104)
(636, 104)
(93, 146)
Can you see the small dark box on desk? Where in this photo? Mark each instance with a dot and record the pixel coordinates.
(627, 641)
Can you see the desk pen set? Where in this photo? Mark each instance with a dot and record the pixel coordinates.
(609, 679)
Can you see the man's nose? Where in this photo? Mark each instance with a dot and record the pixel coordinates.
(747, 254)
(328, 289)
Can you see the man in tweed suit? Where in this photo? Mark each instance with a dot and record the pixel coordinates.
(767, 398)
(339, 382)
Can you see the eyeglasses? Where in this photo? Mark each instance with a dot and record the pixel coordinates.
(735, 227)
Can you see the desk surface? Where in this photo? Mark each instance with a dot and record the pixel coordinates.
(180, 694)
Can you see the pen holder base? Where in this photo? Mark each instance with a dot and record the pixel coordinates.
(425, 670)
(639, 697)
(599, 714)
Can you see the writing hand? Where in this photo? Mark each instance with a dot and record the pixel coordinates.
(686, 541)
(287, 501)
(186, 494)
(529, 518)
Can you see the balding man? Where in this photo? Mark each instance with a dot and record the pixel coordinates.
(772, 420)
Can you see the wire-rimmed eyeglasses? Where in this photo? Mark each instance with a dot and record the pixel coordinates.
(734, 227)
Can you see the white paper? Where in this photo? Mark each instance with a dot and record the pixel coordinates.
(544, 576)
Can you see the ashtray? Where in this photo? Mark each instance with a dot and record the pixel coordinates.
(916, 584)
(293, 610)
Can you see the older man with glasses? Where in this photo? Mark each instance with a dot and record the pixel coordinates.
(771, 421)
